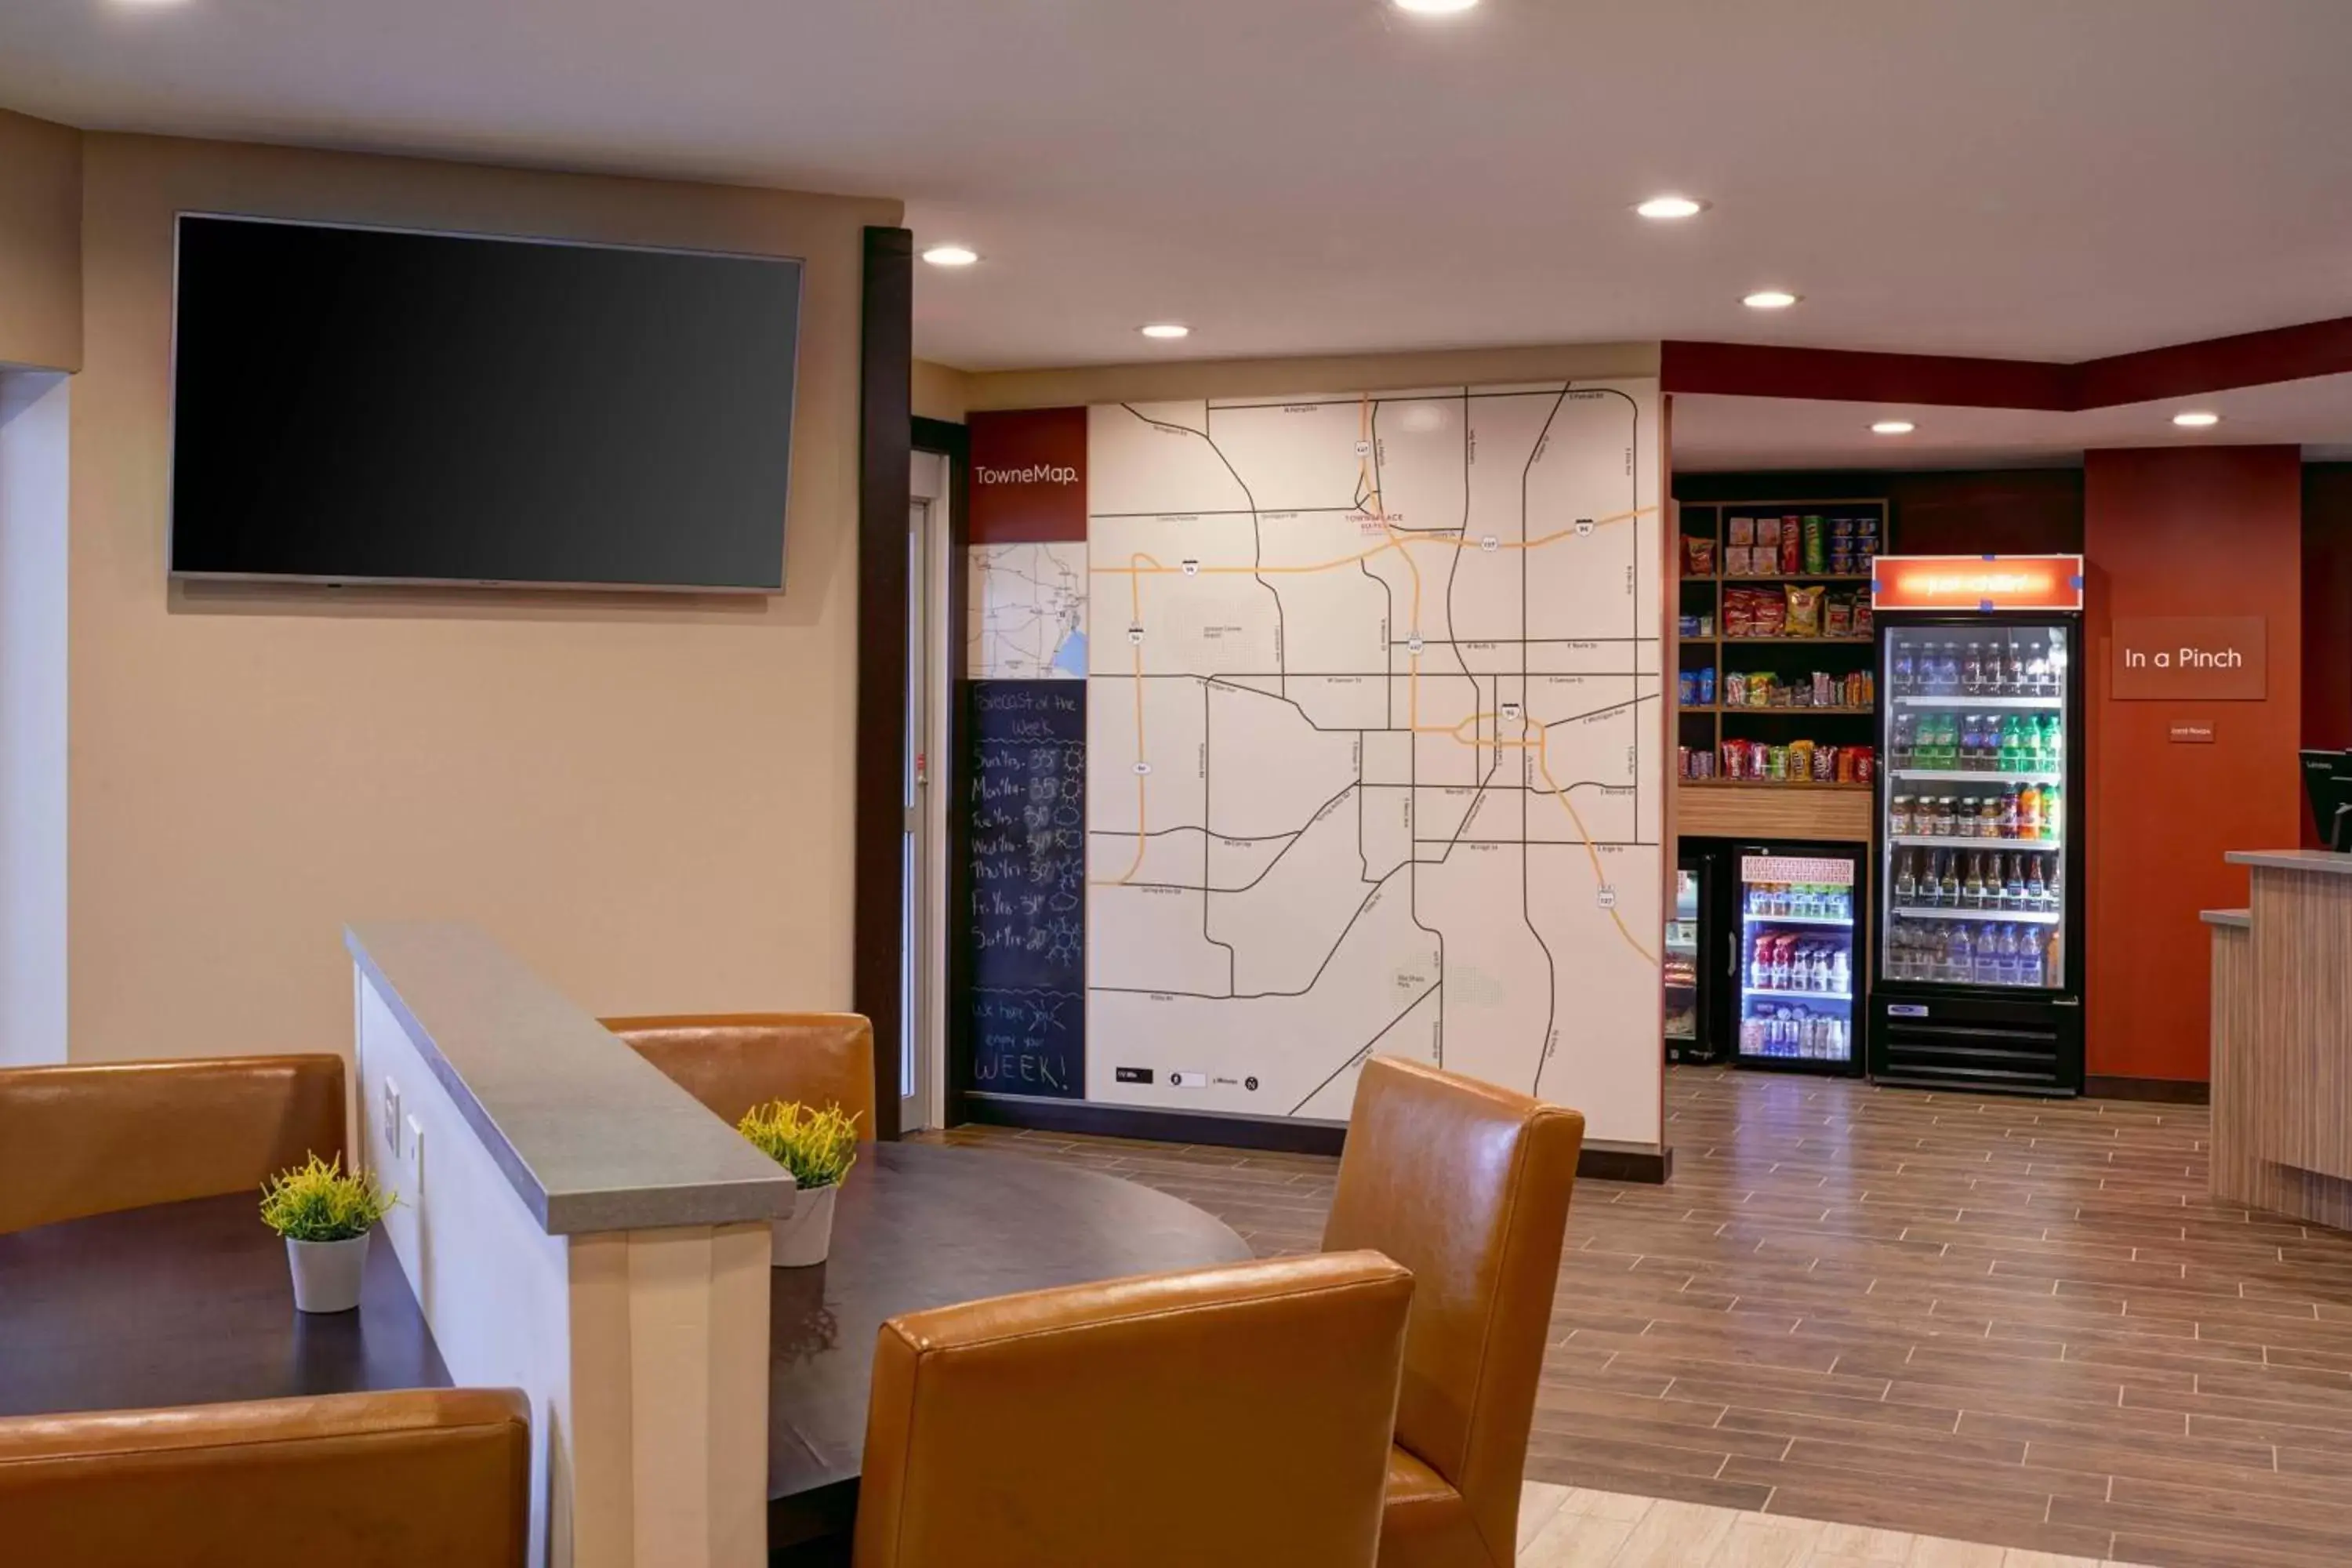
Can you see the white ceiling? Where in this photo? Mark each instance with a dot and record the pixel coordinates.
(2040, 178)
(1749, 434)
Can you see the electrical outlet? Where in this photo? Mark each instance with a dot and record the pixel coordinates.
(415, 1158)
(391, 1122)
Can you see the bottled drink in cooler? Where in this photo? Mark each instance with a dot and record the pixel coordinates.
(2037, 675)
(2012, 671)
(1904, 676)
(2050, 817)
(1906, 876)
(2054, 747)
(1972, 885)
(2012, 956)
(1900, 741)
(2037, 892)
(1972, 680)
(1988, 965)
(2013, 892)
(1959, 955)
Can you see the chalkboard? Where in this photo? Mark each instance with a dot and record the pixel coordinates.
(1024, 803)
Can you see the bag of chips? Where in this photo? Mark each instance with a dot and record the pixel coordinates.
(1802, 617)
(1837, 617)
(1768, 614)
(1699, 555)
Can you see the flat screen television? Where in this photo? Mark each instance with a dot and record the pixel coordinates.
(369, 405)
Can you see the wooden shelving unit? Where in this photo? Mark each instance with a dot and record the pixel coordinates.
(1744, 808)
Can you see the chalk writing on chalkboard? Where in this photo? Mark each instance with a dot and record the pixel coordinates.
(1025, 817)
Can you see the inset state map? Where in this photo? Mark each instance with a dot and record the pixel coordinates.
(1373, 746)
(1027, 615)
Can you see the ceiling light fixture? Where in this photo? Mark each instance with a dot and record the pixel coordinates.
(1436, 7)
(1893, 427)
(1671, 207)
(1166, 329)
(1769, 299)
(950, 255)
(2196, 419)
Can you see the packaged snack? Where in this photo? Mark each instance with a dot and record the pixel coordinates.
(1776, 763)
(1841, 556)
(1825, 764)
(1861, 615)
(1840, 528)
(1738, 616)
(1687, 687)
(1739, 531)
(1817, 545)
(1767, 535)
(1735, 560)
(1865, 764)
(1699, 555)
(1845, 764)
(1768, 614)
(1707, 625)
(1792, 544)
(1824, 694)
(1804, 615)
(1837, 615)
(1731, 759)
(1681, 762)
(1760, 692)
(1735, 689)
(1707, 684)
(1686, 626)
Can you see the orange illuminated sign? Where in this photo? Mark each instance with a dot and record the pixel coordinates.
(1980, 582)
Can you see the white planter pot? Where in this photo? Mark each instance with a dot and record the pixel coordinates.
(806, 1237)
(327, 1274)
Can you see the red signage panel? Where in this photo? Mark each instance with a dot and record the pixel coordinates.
(1029, 476)
(1981, 583)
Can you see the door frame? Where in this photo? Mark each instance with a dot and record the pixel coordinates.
(953, 442)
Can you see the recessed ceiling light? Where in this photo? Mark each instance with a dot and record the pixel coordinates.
(2197, 420)
(950, 255)
(1769, 299)
(1671, 206)
(1434, 8)
(1893, 427)
(1166, 329)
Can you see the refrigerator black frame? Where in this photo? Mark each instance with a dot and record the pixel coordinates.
(2064, 1003)
(1735, 986)
(1708, 1047)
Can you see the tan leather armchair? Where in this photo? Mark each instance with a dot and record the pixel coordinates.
(1220, 1416)
(734, 1061)
(1467, 1186)
(424, 1478)
(78, 1141)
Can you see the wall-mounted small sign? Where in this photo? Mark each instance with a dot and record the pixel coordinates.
(2190, 658)
(2190, 732)
(1977, 584)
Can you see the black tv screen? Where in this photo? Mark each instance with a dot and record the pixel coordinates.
(362, 404)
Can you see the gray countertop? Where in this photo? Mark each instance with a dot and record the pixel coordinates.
(592, 1137)
(2294, 860)
(2242, 920)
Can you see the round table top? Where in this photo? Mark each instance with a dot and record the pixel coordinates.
(191, 1303)
(919, 1226)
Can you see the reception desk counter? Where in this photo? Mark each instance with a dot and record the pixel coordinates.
(2282, 1037)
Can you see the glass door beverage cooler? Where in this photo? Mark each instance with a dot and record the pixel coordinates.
(1693, 1034)
(1799, 912)
(1980, 946)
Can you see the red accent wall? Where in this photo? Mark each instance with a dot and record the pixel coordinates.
(2182, 532)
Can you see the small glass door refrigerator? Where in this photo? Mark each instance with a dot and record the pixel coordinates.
(1979, 945)
(1797, 964)
(1693, 1034)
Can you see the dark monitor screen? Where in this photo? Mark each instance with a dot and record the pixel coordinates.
(2327, 780)
(356, 404)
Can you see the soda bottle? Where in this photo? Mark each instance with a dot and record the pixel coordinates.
(1947, 669)
(2054, 746)
(1947, 747)
(2050, 814)
(1900, 741)
(2006, 821)
(2012, 745)
(2013, 674)
(2011, 954)
(1959, 957)
(1972, 673)
(2037, 674)
(2029, 812)
(1904, 678)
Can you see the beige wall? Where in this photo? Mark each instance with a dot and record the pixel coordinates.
(1151, 382)
(940, 393)
(647, 798)
(40, 243)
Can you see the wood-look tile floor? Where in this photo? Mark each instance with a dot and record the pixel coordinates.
(2001, 1320)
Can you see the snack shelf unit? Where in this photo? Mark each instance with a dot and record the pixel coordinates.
(1720, 807)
